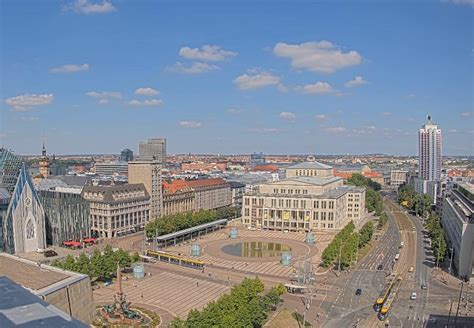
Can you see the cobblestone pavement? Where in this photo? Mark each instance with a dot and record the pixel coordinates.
(171, 292)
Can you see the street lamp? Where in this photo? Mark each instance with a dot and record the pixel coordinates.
(451, 261)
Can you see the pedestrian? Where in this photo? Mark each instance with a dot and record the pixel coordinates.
(142, 295)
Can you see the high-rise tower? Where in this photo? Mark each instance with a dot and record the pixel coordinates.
(429, 152)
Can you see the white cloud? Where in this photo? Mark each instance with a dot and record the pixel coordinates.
(29, 118)
(288, 116)
(105, 96)
(26, 101)
(70, 68)
(463, 2)
(316, 88)
(206, 53)
(386, 113)
(466, 114)
(194, 68)
(264, 130)
(87, 7)
(321, 117)
(190, 124)
(147, 102)
(147, 92)
(357, 81)
(282, 88)
(335, 130)
(322, 56)
(234, 110)
(452, 131)
(410, 96)
(253, 80)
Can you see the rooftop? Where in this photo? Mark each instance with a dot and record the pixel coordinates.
(110, 191)
(205, 182)
(20, 308)
(28, 274)
(319, 181)
(311, 165)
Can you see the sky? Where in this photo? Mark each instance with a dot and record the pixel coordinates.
(235, 77)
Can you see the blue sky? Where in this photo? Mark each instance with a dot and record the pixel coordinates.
(235, 76)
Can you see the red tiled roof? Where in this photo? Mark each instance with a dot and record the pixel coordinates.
(205, 182)
(372, 174)
(265, 167)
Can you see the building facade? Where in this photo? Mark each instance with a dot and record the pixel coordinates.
(67, 215)
(149, 174)
(210, 194)
(398, 177)
(178, 197)
(458, 223)
(126, 155)
(237, 190)
(309, 199)
(429, 152)
(153, 150)
(111, 168)
(23, 222)
(10, 165)
(117, 210)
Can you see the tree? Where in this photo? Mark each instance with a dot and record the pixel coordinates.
(421, 204)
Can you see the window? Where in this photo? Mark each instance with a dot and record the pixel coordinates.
(247, 201)
(254, 201)
(323, 204)
(30, 230)
(323, 216)
(295, 203)
(331, 204)
(247, 212)
(275, 191)
(305, 192)
(316, 204)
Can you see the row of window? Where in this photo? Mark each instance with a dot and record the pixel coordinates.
(291, 203)
(290, 191)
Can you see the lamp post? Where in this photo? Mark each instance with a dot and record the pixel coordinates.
(449, 315)
(459, 302)
(451, 261)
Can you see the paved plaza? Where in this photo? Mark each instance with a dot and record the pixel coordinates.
(213, 256)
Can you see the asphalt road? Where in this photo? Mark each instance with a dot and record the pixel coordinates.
(345, 308)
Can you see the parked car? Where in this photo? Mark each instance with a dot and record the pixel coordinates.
(413, 296)
(423, 286)
(358, 291)
(380, 267)
(411, 269)
(107, 283)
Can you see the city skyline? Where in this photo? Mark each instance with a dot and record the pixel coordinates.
(106, 75)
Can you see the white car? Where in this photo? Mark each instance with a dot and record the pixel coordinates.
(413, 296)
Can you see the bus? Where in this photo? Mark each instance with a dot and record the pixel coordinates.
(383, 296)
(174, 259)
(387, 305)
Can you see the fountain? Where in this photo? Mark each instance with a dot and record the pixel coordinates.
(119, 312)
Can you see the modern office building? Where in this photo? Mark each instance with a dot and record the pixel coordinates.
(66, 213)
(429, 160)
(111, 168)
(126, 155)
(153, 150)
(10, 165)
(311, 198)
(398, 177)
(117, 210)
(23, 222)
(429, 151)
(68, 291)
(148, 173)
(458, 223)
(257, 159)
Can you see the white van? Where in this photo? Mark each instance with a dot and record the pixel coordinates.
(397, 257)
(401, 244)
